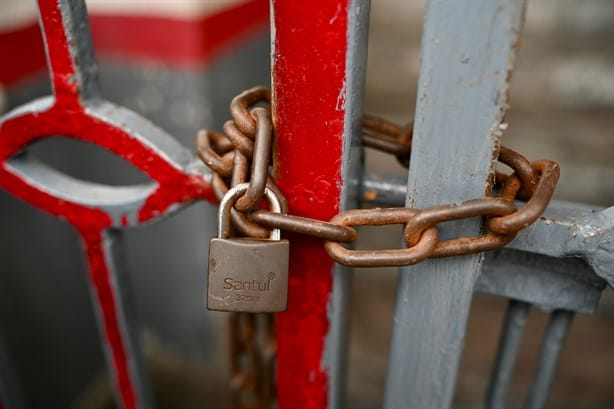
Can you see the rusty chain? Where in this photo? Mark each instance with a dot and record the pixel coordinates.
(243, 154)
(249, 137)
(252, 336)
(252, 351)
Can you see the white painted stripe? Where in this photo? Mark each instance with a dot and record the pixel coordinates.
(19, 13)
(164, 8)
(16, 13)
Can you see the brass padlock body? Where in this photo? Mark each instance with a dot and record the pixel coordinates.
(248, 275)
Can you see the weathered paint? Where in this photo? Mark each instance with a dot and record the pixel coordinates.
(546, 282)
(180, 43)
(309, 102)
(76, 112)
(565, 230)
(467, 52)
(336, 347)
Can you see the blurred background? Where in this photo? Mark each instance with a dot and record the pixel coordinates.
(562, 104)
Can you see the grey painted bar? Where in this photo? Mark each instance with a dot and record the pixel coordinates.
(336, 347)
(468, 47)
(552, 346)
(127, 317)
(547, 283)
(509, 345)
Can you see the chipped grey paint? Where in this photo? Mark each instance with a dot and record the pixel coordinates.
(468, 47)
(565, 230)
(572, 230)
(548, 283)
(336, 343)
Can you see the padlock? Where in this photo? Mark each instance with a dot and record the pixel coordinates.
(247, 274)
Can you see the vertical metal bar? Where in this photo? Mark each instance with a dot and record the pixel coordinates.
(96, 211)
(549, 354)
(127, 318)
(509, 345)
(468, 48)
(115, 316)
(66, 32)
(336, 346)
(319, 59)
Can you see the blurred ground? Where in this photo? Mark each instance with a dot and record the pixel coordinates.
(562, 105)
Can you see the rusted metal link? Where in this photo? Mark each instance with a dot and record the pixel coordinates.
(386, 136)
(280, 196)
(382, 125)
(549, 173)
(463, 245)
(268, 350)
(301, 225)
(239, 108)
(521, 166)
(238, 139)
(248, 141)
(221, 165)
(239, 169)
(220, 143)
(260, 162)
(468, 245)
(252, 362)
(511, 186)
(384, 143)
(380, 258)
(243, 155)
(239, 220)
(488, 206)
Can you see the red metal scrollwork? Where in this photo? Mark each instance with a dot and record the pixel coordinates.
(77, 111)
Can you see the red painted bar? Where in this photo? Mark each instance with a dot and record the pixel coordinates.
(69, 119)
(68, 116)
(309, 69)
(189, 44)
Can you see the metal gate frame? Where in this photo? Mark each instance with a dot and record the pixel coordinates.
(318, 61)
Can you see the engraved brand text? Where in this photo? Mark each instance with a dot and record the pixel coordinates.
(230, 284)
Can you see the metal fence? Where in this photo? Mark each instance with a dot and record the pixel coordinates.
(561, 264)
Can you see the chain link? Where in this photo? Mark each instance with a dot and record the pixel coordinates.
(250, 133)
(243, 154)
(253, 352)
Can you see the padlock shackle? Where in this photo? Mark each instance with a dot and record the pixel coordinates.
(229, 200)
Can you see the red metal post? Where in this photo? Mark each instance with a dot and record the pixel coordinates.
(312, 82)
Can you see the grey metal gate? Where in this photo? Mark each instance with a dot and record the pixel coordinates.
(561, 263)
